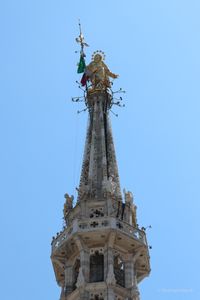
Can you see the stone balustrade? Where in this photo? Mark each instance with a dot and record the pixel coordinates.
(88, 224)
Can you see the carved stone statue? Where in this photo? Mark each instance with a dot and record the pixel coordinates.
(129, 200)
(68, 205)
(128, 197)
(98, 73)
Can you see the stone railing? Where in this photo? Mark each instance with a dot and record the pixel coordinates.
(88, 224)
(61, 237)
(135, 232)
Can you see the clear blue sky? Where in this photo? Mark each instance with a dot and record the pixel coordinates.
(155, 48)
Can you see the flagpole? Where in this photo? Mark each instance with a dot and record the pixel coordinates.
(82, 43)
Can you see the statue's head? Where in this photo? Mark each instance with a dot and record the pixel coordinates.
(128, 196)
(97, 58)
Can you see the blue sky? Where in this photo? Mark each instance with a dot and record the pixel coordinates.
(154, 46)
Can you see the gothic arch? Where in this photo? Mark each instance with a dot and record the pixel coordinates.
(96, 267)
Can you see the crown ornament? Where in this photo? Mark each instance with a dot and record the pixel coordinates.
(99, 52)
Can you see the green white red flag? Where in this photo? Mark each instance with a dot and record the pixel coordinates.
(81, 65)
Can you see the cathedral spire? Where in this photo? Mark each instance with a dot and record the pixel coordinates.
(101, 253)
(99, 176)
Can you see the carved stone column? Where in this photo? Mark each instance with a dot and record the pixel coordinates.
(109, 261)
(68, 280)
(130, 276)
(85, 263)
(129, 271)
(84, 258)
(109, 269)
(84, 295)
(110, 294)
(81, 283)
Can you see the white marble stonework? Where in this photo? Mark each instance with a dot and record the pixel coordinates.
(101, 253)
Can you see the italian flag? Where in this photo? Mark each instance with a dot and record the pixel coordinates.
(81, 65)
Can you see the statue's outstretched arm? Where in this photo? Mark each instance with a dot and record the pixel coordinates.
(109, 73)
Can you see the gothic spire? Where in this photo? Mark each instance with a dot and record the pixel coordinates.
(99, 176)
(101, 254)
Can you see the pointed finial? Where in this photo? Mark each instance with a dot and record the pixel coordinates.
(80, 40)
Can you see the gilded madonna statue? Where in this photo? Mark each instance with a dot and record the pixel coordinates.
(98, 73)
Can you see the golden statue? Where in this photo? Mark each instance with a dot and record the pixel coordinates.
(98, 73)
